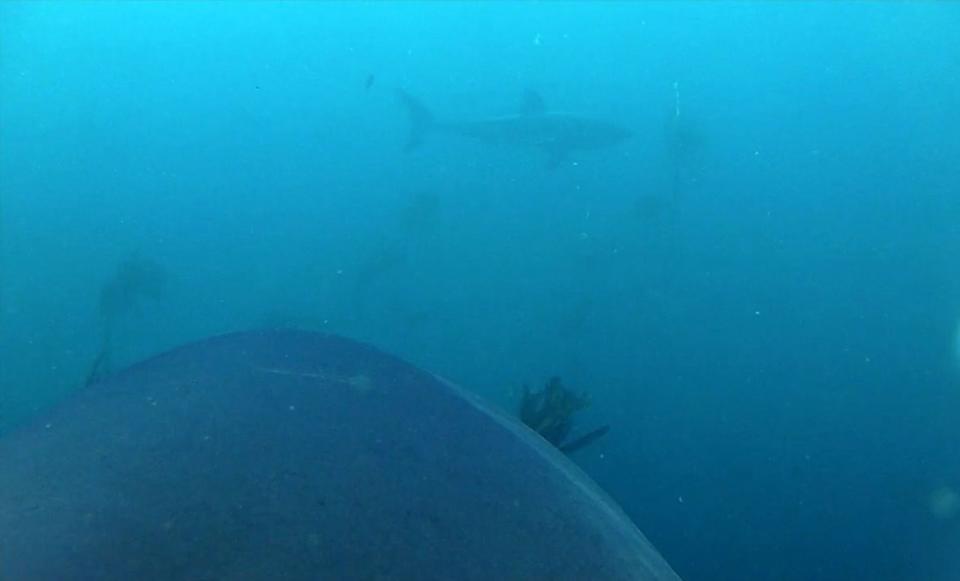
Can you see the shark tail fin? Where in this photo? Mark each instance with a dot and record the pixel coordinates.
(421, 119)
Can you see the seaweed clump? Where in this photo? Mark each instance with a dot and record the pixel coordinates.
(550, 411)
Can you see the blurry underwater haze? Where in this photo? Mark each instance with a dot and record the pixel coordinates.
(760, 289)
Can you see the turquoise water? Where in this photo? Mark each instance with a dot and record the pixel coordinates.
(759, 288)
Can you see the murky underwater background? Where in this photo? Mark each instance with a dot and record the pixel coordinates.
(760, 290)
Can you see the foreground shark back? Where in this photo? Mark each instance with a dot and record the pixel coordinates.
(299, 456)
(557, 134)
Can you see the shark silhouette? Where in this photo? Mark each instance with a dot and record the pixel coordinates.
(557, 134)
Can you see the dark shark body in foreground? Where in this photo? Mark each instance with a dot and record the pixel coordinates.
(557, 134)
(298, 456)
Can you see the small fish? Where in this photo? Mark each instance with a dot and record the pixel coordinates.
(368, 82)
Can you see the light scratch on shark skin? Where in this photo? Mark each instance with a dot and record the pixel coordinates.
(361, 383)
(293, 373)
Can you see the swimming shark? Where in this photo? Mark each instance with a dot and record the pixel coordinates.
(557, 134)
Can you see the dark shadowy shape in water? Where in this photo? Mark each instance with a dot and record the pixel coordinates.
(417, 217)
(135, 279)
(652, 206)
(557, 134)
(416, 318)
(368, 82)
(549, 412)
(386, 257)
(421, 213)
(298, 456)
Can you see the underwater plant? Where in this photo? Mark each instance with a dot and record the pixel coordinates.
(135, 279)
(549, 412)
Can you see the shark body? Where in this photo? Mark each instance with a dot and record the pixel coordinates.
(283, 454)
(557, 134)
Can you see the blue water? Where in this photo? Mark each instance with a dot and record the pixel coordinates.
(760, 289)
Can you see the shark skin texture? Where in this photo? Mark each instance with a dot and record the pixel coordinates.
(292, 455)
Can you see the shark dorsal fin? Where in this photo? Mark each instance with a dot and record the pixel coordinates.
(532, 103)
